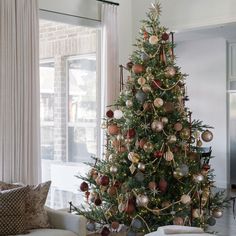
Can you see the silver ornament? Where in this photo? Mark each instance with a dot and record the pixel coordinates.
(113, 169)
(164, 120)
(198, 178)
(142, 200)
(139, 176)
(141, 96)
(185, 199)
(217, 213)
(129, 103)
(141, 166)
(91, 227)
(157, 126)
(136, 224)
(184, 169)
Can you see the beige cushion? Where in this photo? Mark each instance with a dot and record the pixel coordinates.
(12, 211)
(50, 232)
(35, 214)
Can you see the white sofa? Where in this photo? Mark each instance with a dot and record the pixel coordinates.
(63, 224)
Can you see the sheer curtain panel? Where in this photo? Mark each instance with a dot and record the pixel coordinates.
(110, 66)
(19, 92)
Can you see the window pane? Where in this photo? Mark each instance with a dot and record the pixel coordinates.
(68, 83)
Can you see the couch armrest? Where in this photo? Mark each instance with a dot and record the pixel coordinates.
(67, 221)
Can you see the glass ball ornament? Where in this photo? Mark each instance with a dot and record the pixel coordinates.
(148, 147)
(91, 226)
(178, 126)
(142, 200)
(138, 69)
(196, 134)
(152, 185)
(141, 96)
(178, 174)
(185, 199)
(118, 114)
(115, 225)
(199, 143)
(146, 88)
(164, 120)
(169, 156)
(217, 213)
(185, 133)
(139, 177)
(129, 103)
(141, 166)
(198, 178)
(153, 39)
(170, 72)
(171, 138)
(141, 81)
(158, 102)
(113, 129)
(157, 126)
(136, 224)
(178, 220)
(121, 207)
(211, 221)
(113, 169)
(184, 169)
(207, 136)
(134, 157)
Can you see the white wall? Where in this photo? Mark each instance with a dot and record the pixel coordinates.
(187, 14)
(205, 62)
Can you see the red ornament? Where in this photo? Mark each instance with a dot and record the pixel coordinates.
(138, 69)
(104, 180)
(98, 201)
(112, 191)
(131, 133)
(156, 84)
(105, 231)
(130, 207)
(158, 154)
(163, 185)
(110, 114)
(165, 36)
(129, 65)
(206, 167)
(145, 35)
(84, 187)
(113, 129)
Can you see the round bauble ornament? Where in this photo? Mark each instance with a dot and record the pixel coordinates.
(147, 106)
(115, 225)
(142, 142)
(158, 102)
(168, 107)
(109, 114)
(185, 133)
(164, 120)
(91, 226)
(113, 129)
(105, 231)
(158, 154)
(118, 114)
(141, 96)
(169, 156)
(131, 133)
(141, 81)
(193, 156)
(171, 138)
(84, 187)
(178, 174)
(130, 207)
(165, 204)
(196, 134)
(136, 224)
(157, 126)
(199, 143)
(148, 147)
(211, 221)
(129, 103)
(144, 56)
(98, 201)
(119, 137)
(112, 191)
(129, 65)
(198, 178)
(163, 185)
(141, 166)
(185, 199)
(217, 213)
(152, 185)
(153, 39)
(139, 177)
(142, 200)
(165, 36)
(134, 157)
(146, 88)
(138, 69)
(113, 169)
(178, 221)
(156, 84)
(178, 126)
(184, 169)
(170, 72)
(104, 180)
(207, 136)
(196, 213)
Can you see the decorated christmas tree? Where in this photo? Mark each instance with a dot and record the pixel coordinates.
(155, 170)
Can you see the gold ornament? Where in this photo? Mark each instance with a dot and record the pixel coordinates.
(157, 126)
(169, 156)
(170, 72)
(103, 125)
(185, 133)
(207, 136)
(133, 157)
(185, 199)
(132, 168)
(196, 134)
(141, 81)
(199, 143)
(148, 147)
(158, 102)
(141, 166)
(178, 174)
(153, 39)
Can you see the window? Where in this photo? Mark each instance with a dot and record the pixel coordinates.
(70, 107)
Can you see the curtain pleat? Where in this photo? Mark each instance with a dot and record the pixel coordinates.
(19, 92)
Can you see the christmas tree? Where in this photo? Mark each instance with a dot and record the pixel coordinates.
(154, 171)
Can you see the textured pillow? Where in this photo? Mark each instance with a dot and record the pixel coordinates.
(35, 214)
(12, 211)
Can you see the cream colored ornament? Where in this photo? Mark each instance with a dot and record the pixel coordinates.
(157, 126)
(113, 169)
(112, 157)
(217, 213)
(129, 103)
(196, 134)
(118, 114)
(148, 147)
(178, 126)
(198, 178)
(169, 156)
(171, 139)
(141, 81)
(164, 120)
(185, 199)
(153, 39)
(133, 157)
(121, 207)
(158, 102)
(196, 213)
(142, 200)
(146, 88)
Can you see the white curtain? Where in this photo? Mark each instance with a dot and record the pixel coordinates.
(110, 63)
(19, 92)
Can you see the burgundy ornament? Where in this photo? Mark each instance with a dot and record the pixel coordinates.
(104, 180)
(165, 36)
(130, 207)
(110, 114)
(131, 133)
(117, 184)
(98, 201)
(156, 84)
(158, 154)
(105, 231)
(163, 185)
(206, 167)
(84, 187)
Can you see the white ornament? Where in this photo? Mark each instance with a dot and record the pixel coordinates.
(142, 200)
(153, 39)
(185, 199)
(129, 103)
(158, 102)
(118, 114)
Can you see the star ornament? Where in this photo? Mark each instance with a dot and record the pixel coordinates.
(155, 9)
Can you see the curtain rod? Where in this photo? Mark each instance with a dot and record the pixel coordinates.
(66, 14)
(109, 2)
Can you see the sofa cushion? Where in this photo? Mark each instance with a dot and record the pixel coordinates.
(12, 211)
(50, 232)
(35, 214)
